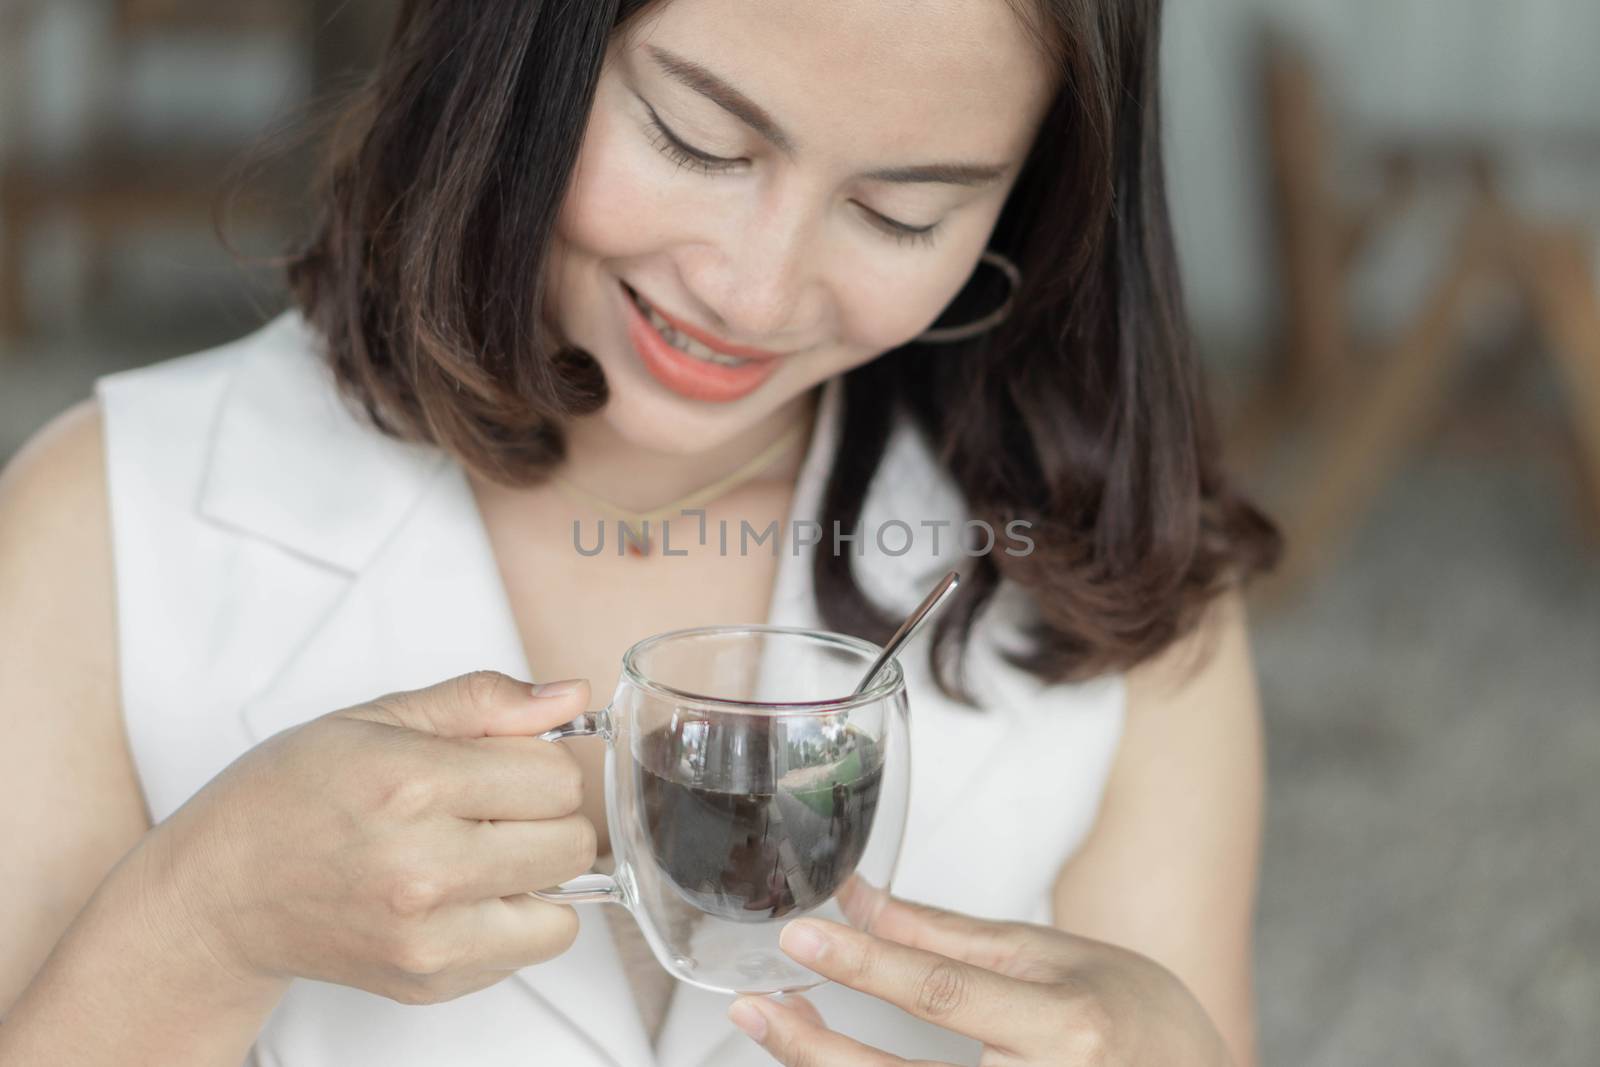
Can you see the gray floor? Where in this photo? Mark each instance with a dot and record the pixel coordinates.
(1430, 893)
(1433, 702)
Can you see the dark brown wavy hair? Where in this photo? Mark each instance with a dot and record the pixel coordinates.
(1083, 413)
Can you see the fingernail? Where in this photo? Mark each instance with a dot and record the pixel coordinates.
(802, 941)
(746, 1016)
(556, 689)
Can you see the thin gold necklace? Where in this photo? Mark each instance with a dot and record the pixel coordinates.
(637, 520)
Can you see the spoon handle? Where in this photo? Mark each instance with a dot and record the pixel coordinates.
(946, 586)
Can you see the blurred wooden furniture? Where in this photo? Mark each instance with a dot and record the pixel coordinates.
(1556, 266)
(16, 18)
(1357, 411)
(117, 181)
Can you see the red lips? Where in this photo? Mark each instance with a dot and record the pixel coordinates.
(710, 340)
(689, 376)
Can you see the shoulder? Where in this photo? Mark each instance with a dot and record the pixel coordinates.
(247, 403)
(282, 354)
(53, 492)
(1190, 759)
(1192, 711)
(57, 626)
(55, 549)
(183, 386)
(1211, 665)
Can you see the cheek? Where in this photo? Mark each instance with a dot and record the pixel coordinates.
(610, 211)
(887, 307)
(883, 323)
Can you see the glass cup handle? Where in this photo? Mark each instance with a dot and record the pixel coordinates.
(586, 888)
(589, 724)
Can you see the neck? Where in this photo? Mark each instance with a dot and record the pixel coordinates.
(627, 476)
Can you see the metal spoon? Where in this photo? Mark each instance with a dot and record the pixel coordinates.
(946, 586)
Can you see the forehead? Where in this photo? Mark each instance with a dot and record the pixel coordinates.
(870, 78)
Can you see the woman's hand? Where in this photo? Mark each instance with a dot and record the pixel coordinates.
(388, 846)
(1034, 996)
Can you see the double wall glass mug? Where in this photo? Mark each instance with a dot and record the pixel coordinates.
(745, 786)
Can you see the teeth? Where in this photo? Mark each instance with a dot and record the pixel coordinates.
(683, 343)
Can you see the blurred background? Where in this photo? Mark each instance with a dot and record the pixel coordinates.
(1389, 216)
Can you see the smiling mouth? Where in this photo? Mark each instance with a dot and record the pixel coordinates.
(679, 340)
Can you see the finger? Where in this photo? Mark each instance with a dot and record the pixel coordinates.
(519, 778)
(480, 704)
(1007, 947)
(800, 1004)
(499, 859)
(516, 931)
(976, 941)
(861, 900)
(971, 1000)
(796, 1039)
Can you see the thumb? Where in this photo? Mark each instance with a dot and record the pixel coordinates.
(481, 704)
(798, 1003)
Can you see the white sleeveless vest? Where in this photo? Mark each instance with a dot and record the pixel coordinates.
(276, 559)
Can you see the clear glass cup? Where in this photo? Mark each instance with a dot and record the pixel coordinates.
(745, 786)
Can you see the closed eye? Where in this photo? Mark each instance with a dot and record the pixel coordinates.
(686, 155)
(680, 151)
(900, 231)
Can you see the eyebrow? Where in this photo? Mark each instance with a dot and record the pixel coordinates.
(747, 111)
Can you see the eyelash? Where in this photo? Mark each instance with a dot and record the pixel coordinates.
(673, 147)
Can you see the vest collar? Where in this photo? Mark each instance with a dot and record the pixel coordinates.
(292, 463)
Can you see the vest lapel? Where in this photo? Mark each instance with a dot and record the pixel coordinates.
(290, 464)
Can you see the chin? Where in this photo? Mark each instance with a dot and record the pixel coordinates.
(637, 414)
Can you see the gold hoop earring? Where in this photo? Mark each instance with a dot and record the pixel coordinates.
(944, 334)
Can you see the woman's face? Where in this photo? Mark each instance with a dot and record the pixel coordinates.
(814, 180)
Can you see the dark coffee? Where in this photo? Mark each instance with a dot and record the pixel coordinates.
(786, 844)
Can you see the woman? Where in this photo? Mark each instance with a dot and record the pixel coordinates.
(703, 262)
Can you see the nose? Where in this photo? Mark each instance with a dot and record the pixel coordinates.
(757, 279)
